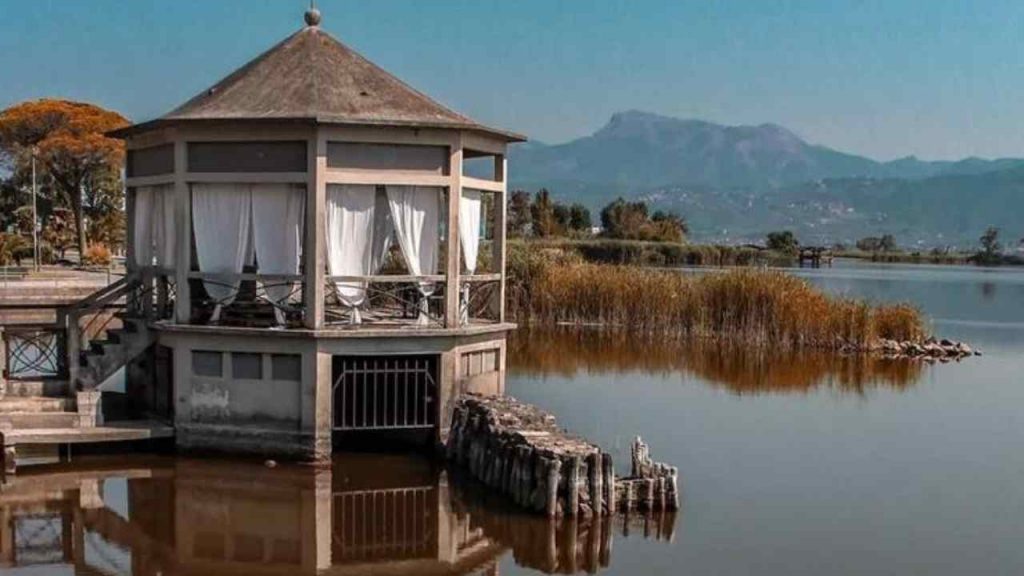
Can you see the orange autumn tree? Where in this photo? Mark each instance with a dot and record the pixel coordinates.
(71, 149)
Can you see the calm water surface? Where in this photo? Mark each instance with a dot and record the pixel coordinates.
(822, 466)
(791, 464)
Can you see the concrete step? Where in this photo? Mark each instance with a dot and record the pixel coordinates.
(105, 357)
(110, 432)
(37, 420)
(36, 404)
(105, 348)
(38, 387)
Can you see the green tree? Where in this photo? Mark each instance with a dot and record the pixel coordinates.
(869, 244)
(12, 246)
(782, 241)
(58, 232)
(542, 211)
(519, 218)
(669, 226)
(563, 216)
(990, 246)
(622, 219)
(579, 218)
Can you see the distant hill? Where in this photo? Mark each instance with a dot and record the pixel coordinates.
(735, 182)
(947, 210)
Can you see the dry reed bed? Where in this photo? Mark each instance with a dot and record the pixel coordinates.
(756, 307)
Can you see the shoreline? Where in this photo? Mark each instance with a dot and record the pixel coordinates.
(671, 254)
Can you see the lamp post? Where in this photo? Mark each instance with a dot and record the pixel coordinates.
(35, 214)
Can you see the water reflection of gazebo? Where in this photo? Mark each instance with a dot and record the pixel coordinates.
(365, 515)
(320, 256)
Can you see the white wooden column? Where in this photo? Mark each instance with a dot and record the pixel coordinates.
(453, 267)
(129, 231)
(498, 244)
(183, 238)
(314, 243)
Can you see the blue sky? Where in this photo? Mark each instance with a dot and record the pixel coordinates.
(933, 78)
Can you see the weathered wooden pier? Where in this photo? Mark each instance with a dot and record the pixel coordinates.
(519, 450)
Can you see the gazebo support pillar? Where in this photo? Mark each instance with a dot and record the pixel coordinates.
(183, 224)
(315, 238)
(498, 244)
(452, 268)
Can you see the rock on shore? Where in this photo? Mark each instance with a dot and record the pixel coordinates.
(929, 349)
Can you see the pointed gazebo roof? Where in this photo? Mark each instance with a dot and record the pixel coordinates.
(311, 76)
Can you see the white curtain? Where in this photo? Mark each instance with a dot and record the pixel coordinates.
(154, 234)
(142, 232)
(383, 231)
(277, 216)
(220, 217)
(164, 236)
(415, 211)
(469, 237)
(350, 240)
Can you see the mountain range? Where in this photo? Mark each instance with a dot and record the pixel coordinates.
(735, 183)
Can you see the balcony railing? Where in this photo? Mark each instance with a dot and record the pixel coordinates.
(391, 301)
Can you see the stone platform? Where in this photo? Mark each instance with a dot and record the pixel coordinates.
(127, 431)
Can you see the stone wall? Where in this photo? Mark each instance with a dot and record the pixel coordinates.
(519, 450)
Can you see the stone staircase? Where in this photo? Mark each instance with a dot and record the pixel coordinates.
(51, 403)
(25, 412)
(105, 357)
(65, 411)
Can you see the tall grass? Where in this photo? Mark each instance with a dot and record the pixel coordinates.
(756, 307)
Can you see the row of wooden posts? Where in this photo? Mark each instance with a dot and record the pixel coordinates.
(518, 450)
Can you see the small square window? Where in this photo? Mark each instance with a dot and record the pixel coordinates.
(207, 363)
(246, 366)
(287, 367)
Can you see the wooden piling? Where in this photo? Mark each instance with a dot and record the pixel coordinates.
(518, 450)
(554, 473)
(609, 483)
(572, 506)
(596, 470)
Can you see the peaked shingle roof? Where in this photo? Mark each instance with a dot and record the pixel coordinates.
(311, 76)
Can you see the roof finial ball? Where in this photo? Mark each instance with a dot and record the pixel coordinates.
(312, 15)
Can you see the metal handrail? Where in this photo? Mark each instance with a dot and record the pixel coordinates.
(391, 297)
(19, 338)
(282, 304)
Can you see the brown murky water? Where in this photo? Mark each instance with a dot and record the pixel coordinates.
(791, 464)
(365, 514)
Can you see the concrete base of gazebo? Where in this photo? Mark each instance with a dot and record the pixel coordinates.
(291, 393)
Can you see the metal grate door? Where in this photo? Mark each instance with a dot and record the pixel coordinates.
(385, 392)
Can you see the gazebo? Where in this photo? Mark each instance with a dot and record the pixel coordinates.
(319, 251)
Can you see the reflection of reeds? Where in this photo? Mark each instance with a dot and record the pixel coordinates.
(742, 371)
(756, 307)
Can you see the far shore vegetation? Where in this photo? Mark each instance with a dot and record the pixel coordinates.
(627, 232)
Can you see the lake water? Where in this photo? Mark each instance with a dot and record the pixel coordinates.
(790, 464)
